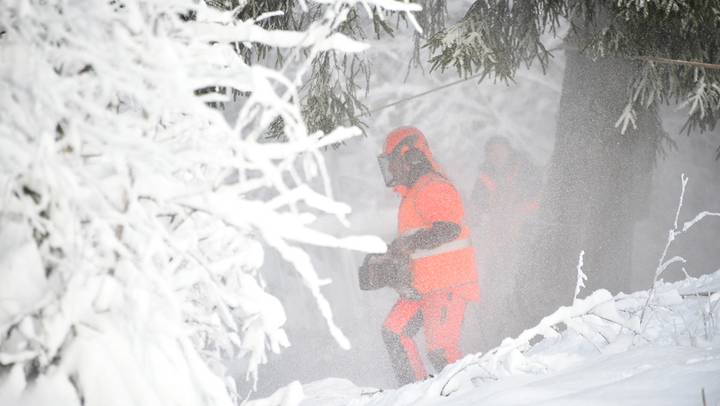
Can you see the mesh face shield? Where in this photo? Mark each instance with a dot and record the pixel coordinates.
(388, 177)
(386, 160)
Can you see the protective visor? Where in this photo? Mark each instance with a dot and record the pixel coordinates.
(384, 162)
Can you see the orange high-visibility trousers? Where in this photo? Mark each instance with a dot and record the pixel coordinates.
(440, 314)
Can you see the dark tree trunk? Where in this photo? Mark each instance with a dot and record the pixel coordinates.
(597, 185)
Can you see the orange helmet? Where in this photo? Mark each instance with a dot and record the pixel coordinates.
(408, 136)
(397, 145)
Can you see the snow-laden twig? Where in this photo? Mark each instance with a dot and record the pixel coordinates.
(581, 277)
(628, 117)
(700, 216)
(673, 233)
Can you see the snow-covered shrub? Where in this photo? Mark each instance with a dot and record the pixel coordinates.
(673, 233)
(133, 217)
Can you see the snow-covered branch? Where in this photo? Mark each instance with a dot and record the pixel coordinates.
(136, 217)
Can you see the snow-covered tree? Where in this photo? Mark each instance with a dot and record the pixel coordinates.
(623, 59)
(133, 215)
(330, 96)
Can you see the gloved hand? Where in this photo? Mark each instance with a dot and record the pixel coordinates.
(380, 270)
(401, 247)
(370, 274)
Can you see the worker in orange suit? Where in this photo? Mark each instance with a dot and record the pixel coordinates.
(504, 203)
(431, 263)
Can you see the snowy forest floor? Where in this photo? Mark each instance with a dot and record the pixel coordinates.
(601, 350)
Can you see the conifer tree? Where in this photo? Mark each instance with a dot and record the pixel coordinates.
(624, 59)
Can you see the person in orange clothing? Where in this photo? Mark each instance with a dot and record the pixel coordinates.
(502, 210)
(431, 263)
(507, 188)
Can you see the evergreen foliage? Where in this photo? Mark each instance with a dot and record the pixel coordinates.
(330, 95)
(496, 37)
(624, 59)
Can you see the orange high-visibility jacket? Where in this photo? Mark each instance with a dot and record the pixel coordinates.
(433, 198)
(524, 206)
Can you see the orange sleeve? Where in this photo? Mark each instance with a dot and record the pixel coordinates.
(439, 201)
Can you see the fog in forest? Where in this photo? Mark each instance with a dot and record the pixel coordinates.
(375, 202)
(457, 122)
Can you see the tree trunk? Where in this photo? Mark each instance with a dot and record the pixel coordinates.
(597, 185)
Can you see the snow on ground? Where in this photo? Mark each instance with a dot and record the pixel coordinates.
(602, 350)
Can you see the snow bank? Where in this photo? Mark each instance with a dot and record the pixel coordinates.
(595, 352)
